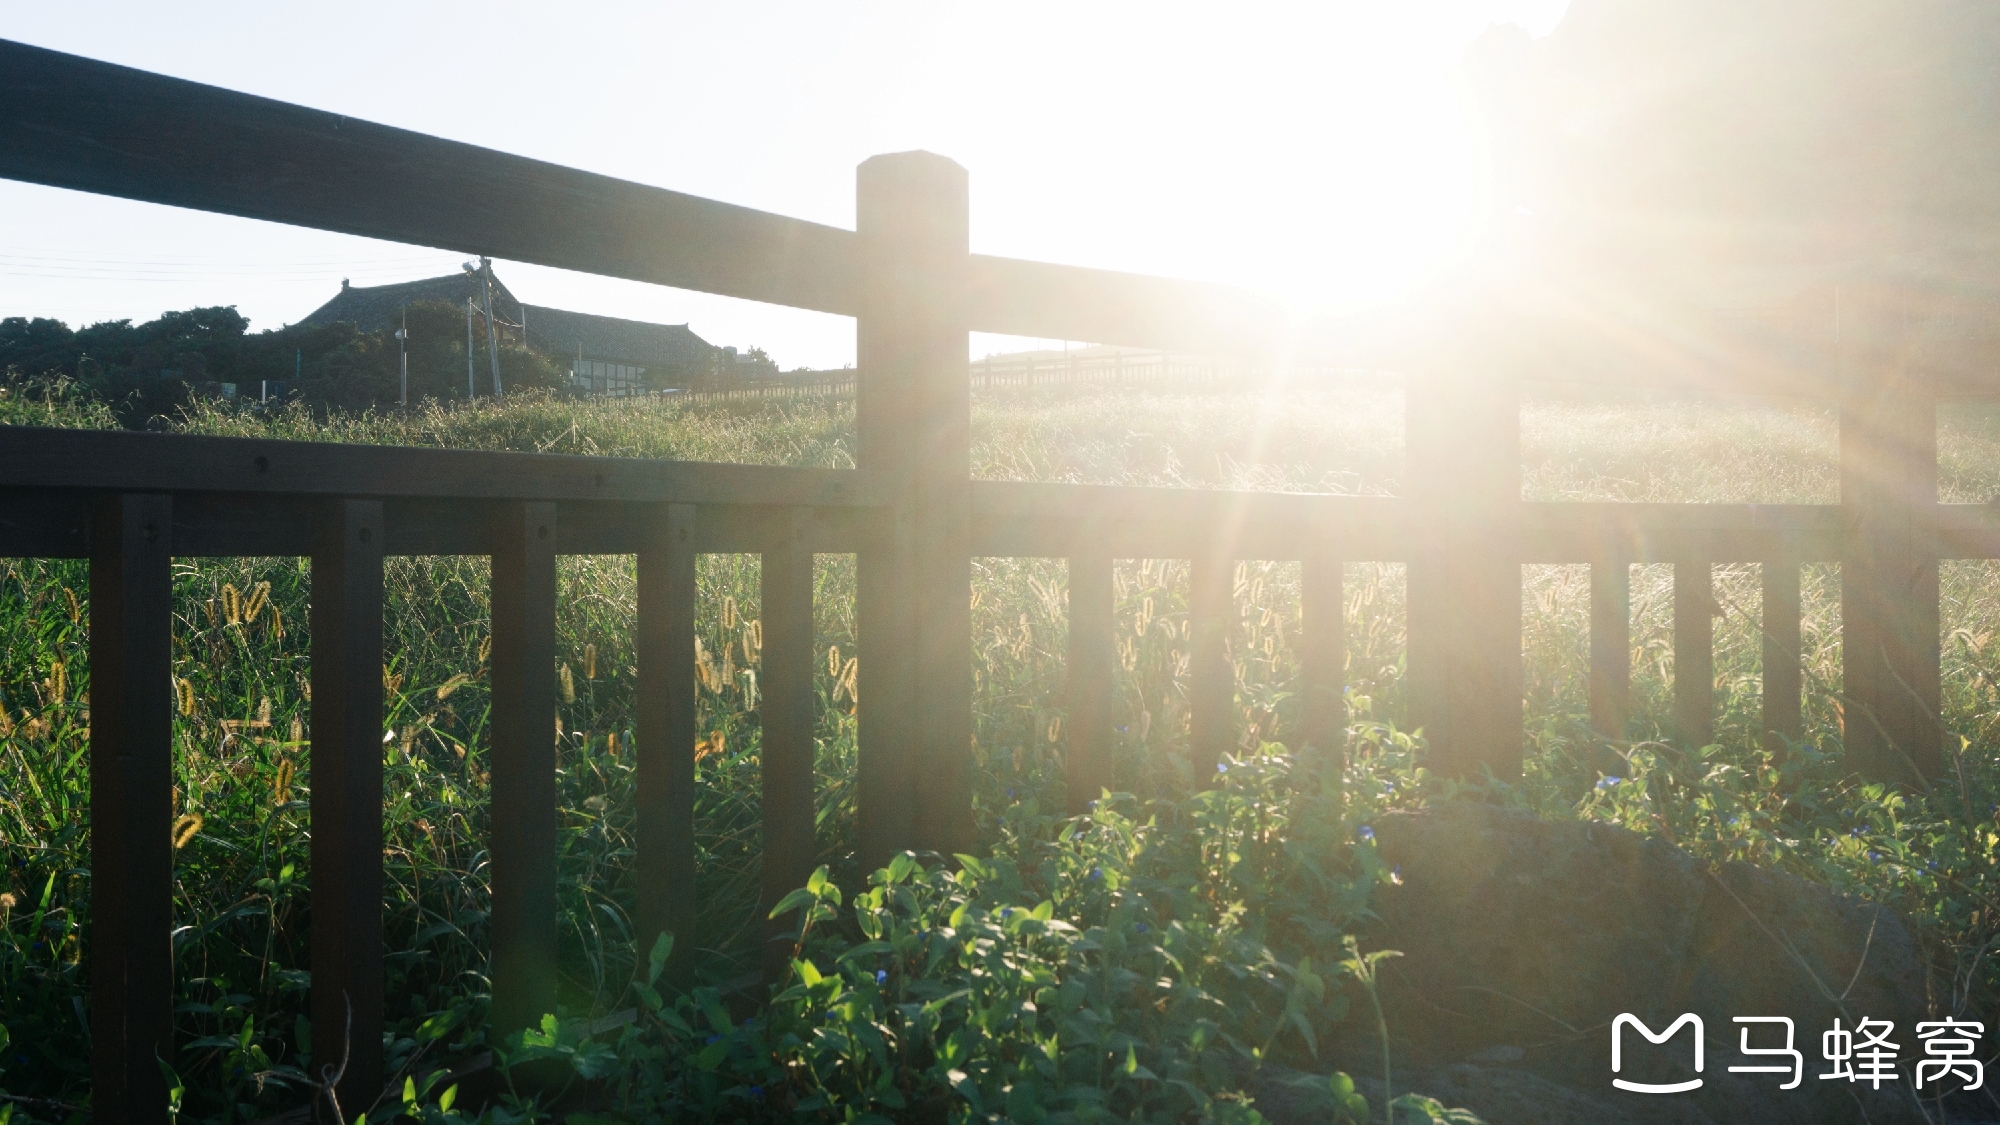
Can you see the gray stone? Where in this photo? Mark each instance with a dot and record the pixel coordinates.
(1524, 939)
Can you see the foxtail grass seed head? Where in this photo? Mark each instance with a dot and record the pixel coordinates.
(264, 709)
(75, 609)
(277, 622)
(58, 683)
(458, 680)
(232, 605)
(184, 692)
(729, 613)
(298, 732)
(757, 634)
(7, 904)
(260, 595)
(6, 723)
(568, 683)
(833, 660)
(185, 830)
(485, 648)
(1055, 729)
(611, 745)
(590, 662)
(729, 663)
(281, 785)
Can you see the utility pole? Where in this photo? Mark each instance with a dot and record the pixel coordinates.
(471, 391)
(492, 337)
(403, 357)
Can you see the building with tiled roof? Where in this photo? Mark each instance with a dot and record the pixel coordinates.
(608, 355)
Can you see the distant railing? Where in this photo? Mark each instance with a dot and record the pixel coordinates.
(132, 502)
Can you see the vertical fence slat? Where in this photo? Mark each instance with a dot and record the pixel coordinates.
(1211, 679)
(913, 415)
(346, 760)
(131, 815)
(523, 760)
(1610, 646)
(1323, 661)
(1784, 680)
(1088, 675)
(786, 730)
(885, 686)
(1694, 651)
(666, 734)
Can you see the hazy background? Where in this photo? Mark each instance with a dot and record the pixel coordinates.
(1317, 148)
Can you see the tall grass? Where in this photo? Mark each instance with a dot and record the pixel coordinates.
(241, 735)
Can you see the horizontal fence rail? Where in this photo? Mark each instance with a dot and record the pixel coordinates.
(131, 503)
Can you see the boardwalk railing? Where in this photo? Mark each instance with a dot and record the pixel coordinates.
(132, 502)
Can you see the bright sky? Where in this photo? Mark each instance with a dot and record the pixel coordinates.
(1313, 148)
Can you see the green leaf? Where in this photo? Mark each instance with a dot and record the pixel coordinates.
(808, 972)
(449, 1096)
(656, 961)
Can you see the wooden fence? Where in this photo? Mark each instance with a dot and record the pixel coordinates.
(131, 502)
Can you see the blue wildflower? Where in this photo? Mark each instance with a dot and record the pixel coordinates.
(1608, 782)
(1097, 873)
(1388, 787)
(1873, 856)
(1222, 767)
(881, 976)
(1365, 832)
(756, 1091)
(1142, 927)
(1122, 728)
(1010, 792)
(1854, 832)
(713, 1038)
(1006, 912)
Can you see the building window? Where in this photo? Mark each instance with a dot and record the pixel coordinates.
(597, 377)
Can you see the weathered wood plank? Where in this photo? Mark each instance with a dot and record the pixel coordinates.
(1463, 421)
(523, 768)
(1323, 663)
(40, 457)
(1889, 639)
(91, 126)
(913, 415)
(1784, 674)
(885, 681)
(1610, 646)
(131, 806)
(785, 747)
(1088, 675)
(666, 733)
(1694, 651)
(1211, 692)
(346, 759)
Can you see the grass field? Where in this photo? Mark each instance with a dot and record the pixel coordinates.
(240, 654)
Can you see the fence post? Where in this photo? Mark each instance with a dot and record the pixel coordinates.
(1091, 659)
(666, 734)
(1462, 416)
(132, 812)
(913, 415)
(1694, 650)
(786, 730)
(1889, 569)
(346, 758)
(523, 760)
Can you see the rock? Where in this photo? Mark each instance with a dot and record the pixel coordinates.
(1524, 939)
